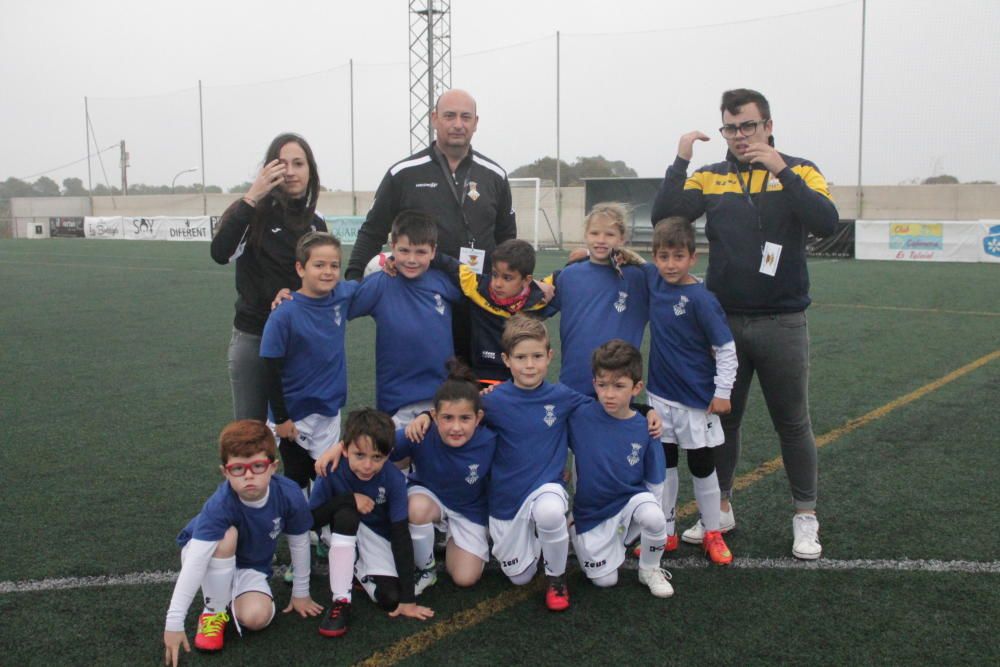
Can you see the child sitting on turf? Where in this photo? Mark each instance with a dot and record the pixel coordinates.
(228, 547)
(600, 299)
(412, 313)
(619, 475)
(692, 367)
(447, 488)
(303, 347)
(365, 505)
(527, 499)
(505, 288)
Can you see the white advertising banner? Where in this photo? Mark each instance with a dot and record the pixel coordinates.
(928, 240)
(102, 228)
(155, 228)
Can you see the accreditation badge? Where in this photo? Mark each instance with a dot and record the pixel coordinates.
(473, 192)
(473, 258)
(770, 255)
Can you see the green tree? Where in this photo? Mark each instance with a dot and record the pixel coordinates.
(45, 187)
(573, 174)
(943, 179)
(241, 188)
(73, 187)
(15, 187)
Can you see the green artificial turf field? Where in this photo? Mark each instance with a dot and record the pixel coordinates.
(115, 388)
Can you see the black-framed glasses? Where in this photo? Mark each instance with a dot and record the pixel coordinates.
(257, 467)
(746, 128)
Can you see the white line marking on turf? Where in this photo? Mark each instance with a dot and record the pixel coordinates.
(689, 562)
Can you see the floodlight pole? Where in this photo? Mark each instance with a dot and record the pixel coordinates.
(861, 114)
(201, 131)
(86, 114)
(558, 146)
(430, 65)
(354, 194)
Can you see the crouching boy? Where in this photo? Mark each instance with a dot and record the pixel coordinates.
(228, 547)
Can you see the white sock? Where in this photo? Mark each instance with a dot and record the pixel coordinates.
(549, 514)
(341, 561)
(652, 535)
(423, 544)
(217, 586)
(670, 485)
(707, 495)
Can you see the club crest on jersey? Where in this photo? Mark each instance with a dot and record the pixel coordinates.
(550, 415)
(380, 498)
(473, 475)
(620, 303)
(337, 319)
(681, 306)
(276, 529)
(633, 458)
(439, 304)
(473, 192)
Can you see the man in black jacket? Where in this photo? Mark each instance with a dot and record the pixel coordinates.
(467, 193)
(760, 206)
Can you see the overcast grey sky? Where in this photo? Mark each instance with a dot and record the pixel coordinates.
(635, 75)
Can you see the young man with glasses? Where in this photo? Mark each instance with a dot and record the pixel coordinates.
(227, 549)
(760, 206)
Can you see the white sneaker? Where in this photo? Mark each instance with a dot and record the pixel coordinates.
(805, 544)
(424, 579)
(658, 581)
(696, 533)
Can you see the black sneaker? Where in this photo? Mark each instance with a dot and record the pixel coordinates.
(335, 623)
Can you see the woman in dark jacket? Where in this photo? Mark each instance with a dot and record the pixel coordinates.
(259, 232)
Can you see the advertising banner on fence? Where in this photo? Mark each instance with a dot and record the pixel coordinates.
(928, 240)
(344, 227)
(157, 228)
(66, 227)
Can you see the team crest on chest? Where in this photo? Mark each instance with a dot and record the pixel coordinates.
(633, 458)
(620, 303)
(550, 415)
(275, 529)
(681, 306)
(439, 304)
(473, 475)
(337, 319)
(380, 498)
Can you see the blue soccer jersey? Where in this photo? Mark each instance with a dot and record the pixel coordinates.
(597, 305)
(284, 512)
(412, 334)
(614, 460)
(387, 488)
(456, 475)
(308, 334)
(686, 321)
(531, 441)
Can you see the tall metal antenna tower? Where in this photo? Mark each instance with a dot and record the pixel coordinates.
(430, 65)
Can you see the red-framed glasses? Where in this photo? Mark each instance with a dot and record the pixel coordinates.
(257, 467)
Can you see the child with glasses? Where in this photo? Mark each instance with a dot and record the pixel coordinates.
(228, 547)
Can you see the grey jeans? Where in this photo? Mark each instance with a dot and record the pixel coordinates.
(776, 348)
(248, 376)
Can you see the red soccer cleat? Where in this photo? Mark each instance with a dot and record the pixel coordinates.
(716, 549)
(211, 631)
(557, 595)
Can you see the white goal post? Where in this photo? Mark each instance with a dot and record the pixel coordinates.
(530, 195)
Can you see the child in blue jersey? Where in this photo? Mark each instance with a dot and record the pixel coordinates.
(227, 548)
(448, 485)
(412, 313)
(303, 347)
(365, 505)
(600, 299)
(505, 288)
(692, 367)
(527, 500)
(619, 472)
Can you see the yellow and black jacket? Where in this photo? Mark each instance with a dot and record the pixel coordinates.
(487, 318)
(744, 210)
